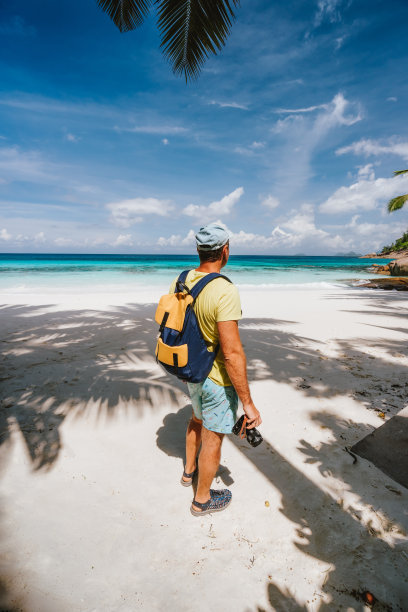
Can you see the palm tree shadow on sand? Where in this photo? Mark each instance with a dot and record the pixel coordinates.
(171, 440)
(124, 373)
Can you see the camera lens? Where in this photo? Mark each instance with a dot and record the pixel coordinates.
(254, 437)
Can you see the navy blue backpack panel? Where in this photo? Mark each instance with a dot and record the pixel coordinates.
(181, 348)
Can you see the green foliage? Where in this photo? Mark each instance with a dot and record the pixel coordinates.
(397, 203)
(190, 30)
(398, 245)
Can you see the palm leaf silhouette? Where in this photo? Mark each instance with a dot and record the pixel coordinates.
(190, 29)
(399, 201)
(126, 14)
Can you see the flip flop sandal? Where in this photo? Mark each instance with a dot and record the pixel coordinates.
(188, 483)
(218, 501)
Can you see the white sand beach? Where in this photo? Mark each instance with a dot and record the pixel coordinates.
(93, 517)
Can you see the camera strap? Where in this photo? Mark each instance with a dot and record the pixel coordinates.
(242, 433)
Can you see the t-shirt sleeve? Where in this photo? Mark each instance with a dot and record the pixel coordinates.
(229, 305)
(173, 286)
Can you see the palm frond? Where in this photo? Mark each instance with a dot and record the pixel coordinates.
(397, 203)
(397, 172)
(192, 29)
(126, 14)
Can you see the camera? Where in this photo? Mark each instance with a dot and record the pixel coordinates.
(252, 435)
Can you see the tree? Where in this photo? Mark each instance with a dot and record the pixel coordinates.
(190, 29)
(399, 201)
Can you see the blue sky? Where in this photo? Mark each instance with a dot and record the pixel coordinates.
(289, 137)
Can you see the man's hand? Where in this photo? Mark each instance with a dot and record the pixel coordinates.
(254, 418)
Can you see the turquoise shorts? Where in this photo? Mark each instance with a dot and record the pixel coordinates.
(214, 405)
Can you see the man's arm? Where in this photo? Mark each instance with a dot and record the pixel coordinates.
(235, 362)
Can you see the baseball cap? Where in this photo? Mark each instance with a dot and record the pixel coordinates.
(211, 237)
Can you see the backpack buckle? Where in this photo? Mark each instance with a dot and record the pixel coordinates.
(180, 287)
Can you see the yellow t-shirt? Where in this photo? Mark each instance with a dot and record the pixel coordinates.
(218, 301)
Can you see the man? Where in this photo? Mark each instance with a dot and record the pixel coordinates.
(215, 400)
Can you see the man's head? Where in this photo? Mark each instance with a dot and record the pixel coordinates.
(213, 243)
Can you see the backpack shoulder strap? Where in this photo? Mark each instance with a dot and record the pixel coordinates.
(198, 287)
(181, 279)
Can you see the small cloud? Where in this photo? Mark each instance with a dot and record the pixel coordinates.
(392, 99)
(218, 208)
(123, 240)
(257, 145)
(369, 147)
(229, 105)
(127, 212)
(295, 111)
(63, 241)
(366, 172)
(250, 150)
(327, 10)
(153, 129)
(270, 202)
(39, 238)
(72, 138)
(339, 42)
(176, 240)
(165, 141)
(4, 235)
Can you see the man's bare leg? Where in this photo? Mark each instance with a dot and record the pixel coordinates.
(208, 463)
(193, 441)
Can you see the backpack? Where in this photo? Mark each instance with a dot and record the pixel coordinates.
(181, 348)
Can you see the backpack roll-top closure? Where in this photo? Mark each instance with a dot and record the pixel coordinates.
(172, 355)
(171, 310)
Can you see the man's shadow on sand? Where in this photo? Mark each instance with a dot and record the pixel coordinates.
(171, 439)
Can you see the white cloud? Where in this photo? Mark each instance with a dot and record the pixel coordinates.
(298, 232)
(165, 141)
(295, 111)
(369, 147)
(334, 114)
(392, 99)
(219, 208)
(63, 241)
(229, 105)
(301, 134)
(177, 240)
(255, 146)
(370, 230)
(24, 166)
(270, 202)
(153, 129)
(301, 223)
(365, 194)
(4, 235)
(123, 240)
(72, 138)
(127, 212)
(39, 238)
(327, 9)
(366, 172)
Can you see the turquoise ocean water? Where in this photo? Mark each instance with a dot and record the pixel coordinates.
(25, 274)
